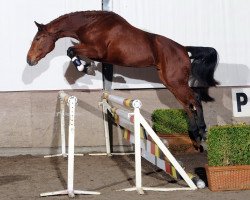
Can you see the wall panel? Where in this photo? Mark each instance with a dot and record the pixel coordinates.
(17, 31)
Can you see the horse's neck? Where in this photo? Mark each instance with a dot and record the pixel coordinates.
(69, 24)
(65, 28)
(65, 31)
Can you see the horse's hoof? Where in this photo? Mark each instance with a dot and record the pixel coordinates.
(200, 145)
(203, 145)
(91, 71)
(203, 136)
(196, 144)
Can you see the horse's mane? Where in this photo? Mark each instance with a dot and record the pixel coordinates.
(86, 14)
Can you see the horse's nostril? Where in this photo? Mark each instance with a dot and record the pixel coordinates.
(30, 62)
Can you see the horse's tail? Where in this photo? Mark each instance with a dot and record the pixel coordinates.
(203, 64)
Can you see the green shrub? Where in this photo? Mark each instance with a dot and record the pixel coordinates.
(229, 145)
(170, 121)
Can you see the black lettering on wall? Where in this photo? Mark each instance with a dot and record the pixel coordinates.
(241, 99)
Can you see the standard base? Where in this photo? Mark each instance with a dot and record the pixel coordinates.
(63, 155)
(69, 193)
(111, 154)
(142, 189)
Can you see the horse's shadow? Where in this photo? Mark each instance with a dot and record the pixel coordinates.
(9, 179)
(73, 76)
(148, 74)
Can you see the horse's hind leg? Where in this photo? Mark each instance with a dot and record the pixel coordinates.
(191, 106)
(186, 97)
(200, 118)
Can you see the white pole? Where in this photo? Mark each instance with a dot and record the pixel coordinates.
(107, 5)
(128, 103)
(123, 113)
(106, 128)
(72, 102)
(137, 134)
(62, 113)
(138, 178)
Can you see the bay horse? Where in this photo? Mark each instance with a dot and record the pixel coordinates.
(108, 38)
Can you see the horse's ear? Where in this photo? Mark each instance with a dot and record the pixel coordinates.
(39, 26)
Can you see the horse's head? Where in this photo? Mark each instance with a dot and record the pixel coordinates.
(43, 43)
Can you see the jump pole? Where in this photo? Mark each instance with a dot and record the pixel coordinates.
(139, 120)
(71, 102)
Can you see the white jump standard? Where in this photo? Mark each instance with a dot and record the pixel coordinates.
(137, 120)
(70, 191)
(64, 100)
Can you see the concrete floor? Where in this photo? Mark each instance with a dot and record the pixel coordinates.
(29, 176)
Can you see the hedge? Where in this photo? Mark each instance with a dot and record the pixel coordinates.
(229, 145)
(170, 121)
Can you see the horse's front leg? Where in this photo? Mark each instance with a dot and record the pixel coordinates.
(75, 59)
(81, 65)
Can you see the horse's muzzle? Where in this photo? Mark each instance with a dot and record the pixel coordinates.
(30, 62)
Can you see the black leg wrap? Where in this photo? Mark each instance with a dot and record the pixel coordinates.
(88, 68)
(77, 63)
(70, 52)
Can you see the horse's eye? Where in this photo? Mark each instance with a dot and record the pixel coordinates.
(37, 39)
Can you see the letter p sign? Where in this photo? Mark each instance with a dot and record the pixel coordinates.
(241, 99)
(241, 107)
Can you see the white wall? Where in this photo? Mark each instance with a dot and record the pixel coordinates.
(17, 31)
(223, 24)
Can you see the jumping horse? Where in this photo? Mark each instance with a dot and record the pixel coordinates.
(108, 38)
